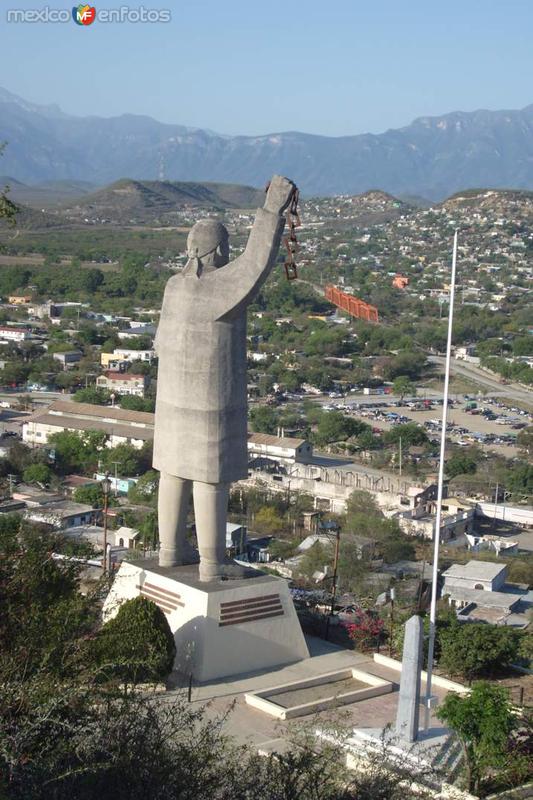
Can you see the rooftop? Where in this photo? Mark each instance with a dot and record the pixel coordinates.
(274, 441)
(109, 426)
(496, 600)
(107, 412)
(62, 508)
(116, 375)
(475, 570)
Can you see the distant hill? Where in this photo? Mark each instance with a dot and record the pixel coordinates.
(495, 200)
(137, 202)
(369, 208)
(432, 157)
(47, 194)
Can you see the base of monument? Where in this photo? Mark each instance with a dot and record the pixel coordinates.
(433, 760)
(222, 627)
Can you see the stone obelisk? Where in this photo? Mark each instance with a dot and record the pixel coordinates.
(407, 719)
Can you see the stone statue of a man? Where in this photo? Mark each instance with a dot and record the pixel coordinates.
(200, 442)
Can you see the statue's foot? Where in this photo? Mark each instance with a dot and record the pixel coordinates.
(212, 571)
(178, 557)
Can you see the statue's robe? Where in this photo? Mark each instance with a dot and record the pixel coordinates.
(201, 405)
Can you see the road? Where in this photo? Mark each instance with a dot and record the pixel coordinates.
(510, 391)
(37, 398)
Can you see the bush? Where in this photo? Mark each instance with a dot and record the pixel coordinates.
(137, 645)
(98, 397)
(133, 403)
(367, 631)
(37, 473)
(475, 650)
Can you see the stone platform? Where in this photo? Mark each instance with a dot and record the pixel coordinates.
(221, 628)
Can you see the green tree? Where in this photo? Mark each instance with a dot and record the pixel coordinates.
(44, 617)
(335, 427)
(37, 473)
(77, 450)
(519, 478)
(264, 419)
(133, 403)
(410, 365)
(483, 721)
(477, 650)
(131, 460)
(91, 495)
(136, 645)
(461, 464)
(524, 440)
(411, 433)
(14, 373)
(149, 530)
(267, 520)
(97, 397)
(145, 490)
(403, 385)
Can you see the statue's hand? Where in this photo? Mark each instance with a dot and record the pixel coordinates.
(279, 194)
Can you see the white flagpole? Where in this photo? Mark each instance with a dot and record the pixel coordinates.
(436, 539)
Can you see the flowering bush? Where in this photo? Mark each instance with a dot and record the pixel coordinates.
(366, 629)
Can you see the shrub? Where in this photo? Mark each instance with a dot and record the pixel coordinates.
(137, 645)
(37, 473)
(474, 650)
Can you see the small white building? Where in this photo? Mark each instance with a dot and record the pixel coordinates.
(127, 354)
(475, 575)
(8, 334)
(126, 537)
(282, 449)
(122, 382)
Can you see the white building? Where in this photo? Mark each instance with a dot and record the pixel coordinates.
(8, 334)
(120, 425)
(122, 382)
(126, 537)
(282, 449)
(479, 575)
(127, 354)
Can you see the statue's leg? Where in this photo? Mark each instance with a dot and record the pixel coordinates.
(173, 506)
(210, 513)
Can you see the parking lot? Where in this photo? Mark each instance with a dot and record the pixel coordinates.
(492, 424)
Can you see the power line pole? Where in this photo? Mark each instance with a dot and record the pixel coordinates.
(116, 463)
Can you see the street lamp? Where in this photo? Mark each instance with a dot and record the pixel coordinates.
(106, 488)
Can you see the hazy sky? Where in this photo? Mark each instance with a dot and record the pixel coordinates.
(261, 66)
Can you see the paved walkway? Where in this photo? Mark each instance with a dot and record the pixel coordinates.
(249, 726)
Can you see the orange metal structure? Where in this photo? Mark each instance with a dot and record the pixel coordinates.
(352, 305)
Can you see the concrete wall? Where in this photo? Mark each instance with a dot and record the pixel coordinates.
(520, 516)
(334, 487)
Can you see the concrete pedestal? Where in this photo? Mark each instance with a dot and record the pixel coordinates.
(221, 628)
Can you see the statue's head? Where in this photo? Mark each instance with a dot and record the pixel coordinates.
(208, 242)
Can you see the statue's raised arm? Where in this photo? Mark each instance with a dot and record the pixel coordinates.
(238, 283)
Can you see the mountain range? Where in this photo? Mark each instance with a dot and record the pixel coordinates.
(432, 157)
